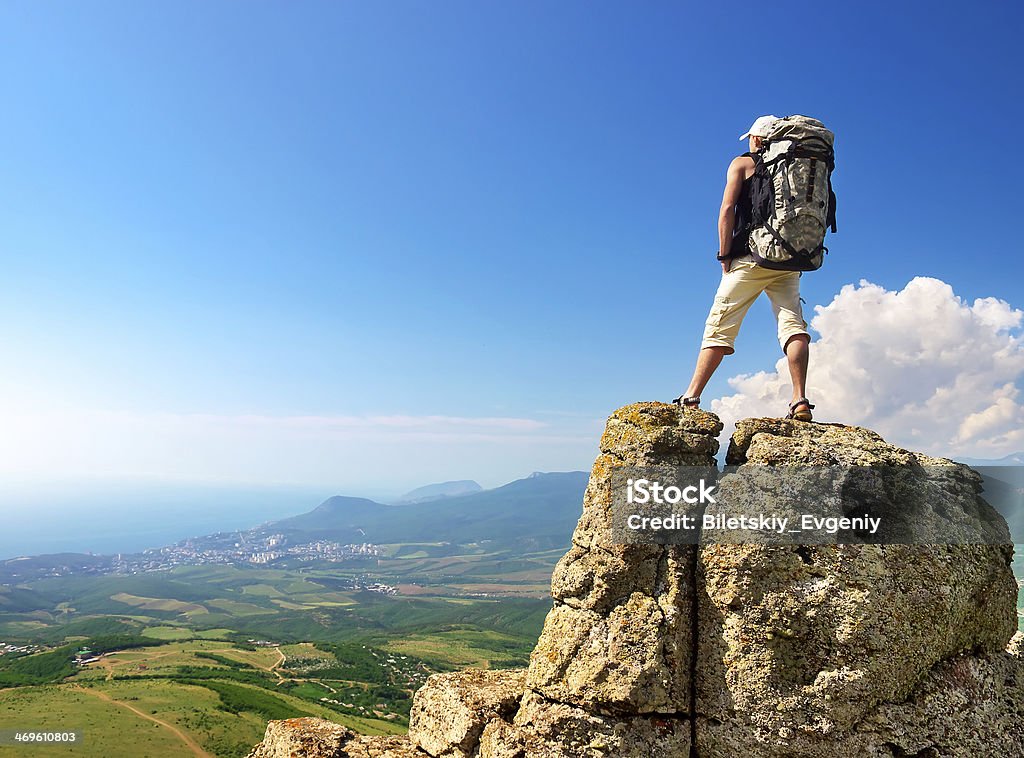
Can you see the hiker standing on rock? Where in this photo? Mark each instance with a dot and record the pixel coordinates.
(777, 204)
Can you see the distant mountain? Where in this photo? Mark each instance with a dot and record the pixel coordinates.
(435, 491)
(1013, 459)
(1003, 488)
(536, 513)
(345, 515)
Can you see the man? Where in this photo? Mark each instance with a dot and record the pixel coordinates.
(743, 281)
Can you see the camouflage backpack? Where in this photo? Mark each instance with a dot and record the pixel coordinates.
(791, 195)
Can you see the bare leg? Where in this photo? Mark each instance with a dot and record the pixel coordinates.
(709, 359)
(797, 355)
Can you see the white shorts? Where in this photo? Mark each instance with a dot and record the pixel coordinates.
(737, 292)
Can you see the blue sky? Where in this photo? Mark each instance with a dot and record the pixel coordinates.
(378, 244)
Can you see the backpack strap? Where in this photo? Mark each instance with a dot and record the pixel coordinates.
(805, 258)
(738, 246)
(830, 219)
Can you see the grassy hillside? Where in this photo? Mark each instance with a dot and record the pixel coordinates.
(252, 678)
(204, 697)
(178, 675)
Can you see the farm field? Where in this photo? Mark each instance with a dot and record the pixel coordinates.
(203, 657)
(465, 648)
(216, 651)
(288, 604)
(196, 697)
(107, 728)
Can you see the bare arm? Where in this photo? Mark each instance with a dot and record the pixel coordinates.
(739, 170)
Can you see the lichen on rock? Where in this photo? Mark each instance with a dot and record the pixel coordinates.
(451, 710)
(319, 738)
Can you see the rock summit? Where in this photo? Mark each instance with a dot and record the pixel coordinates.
(748, 649)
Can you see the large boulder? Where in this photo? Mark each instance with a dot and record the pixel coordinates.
(800, 645)
(450, 710)
(620, 635)
(319, 738)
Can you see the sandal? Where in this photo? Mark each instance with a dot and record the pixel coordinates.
(687, 402)
(804, 415)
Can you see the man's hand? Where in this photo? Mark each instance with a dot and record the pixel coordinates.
(725, 266)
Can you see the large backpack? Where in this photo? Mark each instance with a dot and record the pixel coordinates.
(791, 195)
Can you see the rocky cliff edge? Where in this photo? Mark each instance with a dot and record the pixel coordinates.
(724, 650)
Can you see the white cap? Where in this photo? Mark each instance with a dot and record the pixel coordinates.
(760, 127)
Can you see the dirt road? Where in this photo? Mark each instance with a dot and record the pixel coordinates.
(192, 745)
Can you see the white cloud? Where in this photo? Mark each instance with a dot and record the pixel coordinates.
(996, 313)
(920, 366)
